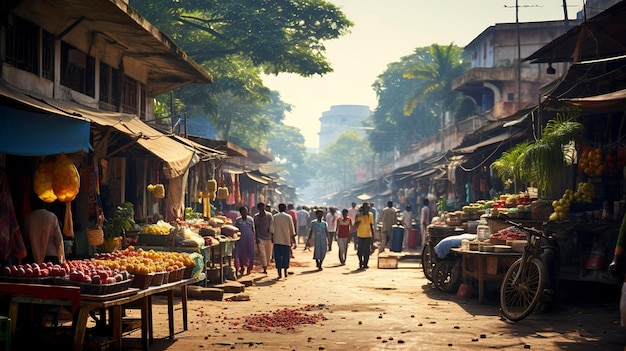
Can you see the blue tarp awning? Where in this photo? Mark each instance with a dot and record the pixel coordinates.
(27, 133)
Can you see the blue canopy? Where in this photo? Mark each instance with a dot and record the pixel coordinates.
(28, 133)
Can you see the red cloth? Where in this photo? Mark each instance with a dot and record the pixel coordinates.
(11, 241)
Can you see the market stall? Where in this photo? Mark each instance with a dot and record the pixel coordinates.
(84, 304)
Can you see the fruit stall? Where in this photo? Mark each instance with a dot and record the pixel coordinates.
(107, 284)
(214, 239)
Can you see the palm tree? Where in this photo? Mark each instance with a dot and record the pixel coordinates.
(507, 166)
(446, 64)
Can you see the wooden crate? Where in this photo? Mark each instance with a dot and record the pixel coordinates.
(387, 262)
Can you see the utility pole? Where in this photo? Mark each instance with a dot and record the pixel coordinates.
(519, 58)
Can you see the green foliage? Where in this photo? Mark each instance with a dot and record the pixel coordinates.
(287, 146)
(437, 75)
(123, 219)
(278, 35)
(508, 165)
(390, 128)
(541, 161)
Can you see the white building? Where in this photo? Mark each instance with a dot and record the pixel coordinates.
(341, 118)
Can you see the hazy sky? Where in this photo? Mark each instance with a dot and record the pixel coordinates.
(386, 30)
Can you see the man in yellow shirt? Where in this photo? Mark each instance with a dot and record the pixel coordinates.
(364, 231)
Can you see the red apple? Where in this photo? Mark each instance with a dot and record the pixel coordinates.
(44, 272)
(6, 271)
(110, 280)
(96, 279)
(20, 272)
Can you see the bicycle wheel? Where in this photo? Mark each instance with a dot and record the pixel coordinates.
(447, 275)
(519, 298)
(427, 262)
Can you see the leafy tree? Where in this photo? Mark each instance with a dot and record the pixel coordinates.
(277, 35)
(390, 129)
(237, 40)
(336, 163)
(436, 75)
(287, 146)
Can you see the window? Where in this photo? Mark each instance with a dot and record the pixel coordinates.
(129, 100)
(142, 101)
(109, 87)
(510, 96)
(47, 55)
(77, 70)
(22, 45)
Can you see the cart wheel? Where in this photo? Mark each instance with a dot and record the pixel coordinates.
(427, 262)
(447, 275)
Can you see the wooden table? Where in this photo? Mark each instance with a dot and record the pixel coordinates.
(114, 303)
(483, 266)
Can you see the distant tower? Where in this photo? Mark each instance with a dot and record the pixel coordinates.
(341, 118)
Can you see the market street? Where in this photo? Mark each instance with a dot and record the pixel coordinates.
(386, 309)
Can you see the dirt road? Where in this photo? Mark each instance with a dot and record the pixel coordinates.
(383, 309)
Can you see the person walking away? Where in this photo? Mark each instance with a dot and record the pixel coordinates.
(365, 232)
(352, 212)
(244, 250)
(344, 226)
(282, 231)
(302, 215)
(331, 219)
(262, 226)
(389, 217)
(407, 222)
(319, 232)
(424, 219)
(44, 235)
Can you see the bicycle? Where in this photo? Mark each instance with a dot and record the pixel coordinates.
(527, 281)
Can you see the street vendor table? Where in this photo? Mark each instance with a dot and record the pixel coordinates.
(85, 304)
(484, 266)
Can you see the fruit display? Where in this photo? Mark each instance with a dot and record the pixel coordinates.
(590, 161)
(34, 270)
(56, 178)
(144, 262)
(509, 233)
(158, 190)
(160, 228)
(584, 193)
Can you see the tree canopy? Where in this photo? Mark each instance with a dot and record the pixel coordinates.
(236, 41)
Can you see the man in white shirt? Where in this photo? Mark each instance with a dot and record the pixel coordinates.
(331, 219)
(407, 222)
(389, 219)
(283, 230)
(302, 214)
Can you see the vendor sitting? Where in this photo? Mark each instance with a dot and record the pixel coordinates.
(442, 249)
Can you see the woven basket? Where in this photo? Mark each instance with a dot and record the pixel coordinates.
(95, 236)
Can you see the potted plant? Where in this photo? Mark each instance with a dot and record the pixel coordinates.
(123, 220)
(541, 161)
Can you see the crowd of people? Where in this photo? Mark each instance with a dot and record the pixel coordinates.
(276, 232)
